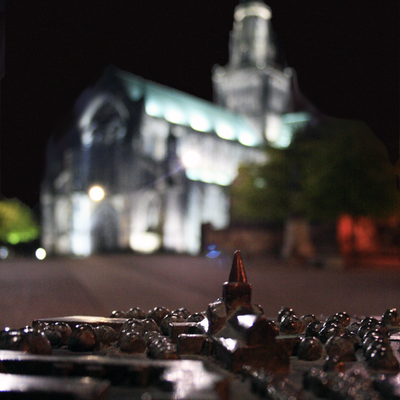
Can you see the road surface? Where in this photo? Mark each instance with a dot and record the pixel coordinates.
(97, 285)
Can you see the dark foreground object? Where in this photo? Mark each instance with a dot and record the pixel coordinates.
(230, 351)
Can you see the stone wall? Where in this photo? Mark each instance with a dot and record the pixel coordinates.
(257, 240)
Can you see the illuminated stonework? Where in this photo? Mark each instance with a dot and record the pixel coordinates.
(161, 161)
(250, 84)
(145, 168)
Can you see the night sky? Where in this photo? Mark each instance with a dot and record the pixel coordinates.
(56, 49)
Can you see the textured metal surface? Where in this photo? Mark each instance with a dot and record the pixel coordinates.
(230, 352)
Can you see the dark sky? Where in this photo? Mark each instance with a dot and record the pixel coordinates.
(55, 49)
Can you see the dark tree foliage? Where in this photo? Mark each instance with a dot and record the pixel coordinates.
(261, 193)
(17, 222)
(335, 168)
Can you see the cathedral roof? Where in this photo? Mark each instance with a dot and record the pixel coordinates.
(187, 110)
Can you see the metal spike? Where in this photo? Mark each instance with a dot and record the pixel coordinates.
(237, 273)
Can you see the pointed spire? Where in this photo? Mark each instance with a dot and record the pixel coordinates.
(237, 273)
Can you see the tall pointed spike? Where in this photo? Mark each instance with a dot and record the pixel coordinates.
(237, 273)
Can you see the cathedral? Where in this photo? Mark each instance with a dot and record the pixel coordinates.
(144, 166)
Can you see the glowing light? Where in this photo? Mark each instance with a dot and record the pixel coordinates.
(80, 244)
(291, 118)
(207, 176)
(96, 193)
(13, 238)
(223, 180)
(191, 159)
(189, 378)
(205, 324)
(273, 127)
(87, 138)
(229, 343)
(213, 254)
(199, 123)
(3, 252)
(153, 109)
(225, 132)
(247, 139)
(193, 175)
(247, 321)
(256, 10)
(40, 253)
(145, 242)
(196, 174)
(174, 116)
(284, 138)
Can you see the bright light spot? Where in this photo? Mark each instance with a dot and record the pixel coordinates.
(213, 254)
(145, 242)
(223, 180)
(225, 132)
(192, 174)
(247, 321)
(205, 323)
(247, 139)
(174, 116)
(284, 138)
(80, 244)
(152, 109)
(3, 252)
(191, 159)
(96, 193)
(273, 128)
(87, 138)
(291, 118)
(207, 176)
(40, 253)
(229, 343)
(199, 123)
(197, 174)
(256, 10)
(189, 377)
(13, 238)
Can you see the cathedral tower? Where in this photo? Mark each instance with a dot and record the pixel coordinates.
(249, 39)
(250, 84)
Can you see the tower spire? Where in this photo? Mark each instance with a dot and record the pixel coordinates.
(236, 291)
(237, 273)
(249, 42)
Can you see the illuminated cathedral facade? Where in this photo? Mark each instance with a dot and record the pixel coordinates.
(144, 166)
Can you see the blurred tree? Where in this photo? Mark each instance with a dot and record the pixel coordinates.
(345, 171)
(261, 193)
(17, 222)
(329, 170)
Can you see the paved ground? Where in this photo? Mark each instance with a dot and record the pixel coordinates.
(97, 285)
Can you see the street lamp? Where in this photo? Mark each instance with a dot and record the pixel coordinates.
(96, 193)
(40, 253)
(191, 159)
